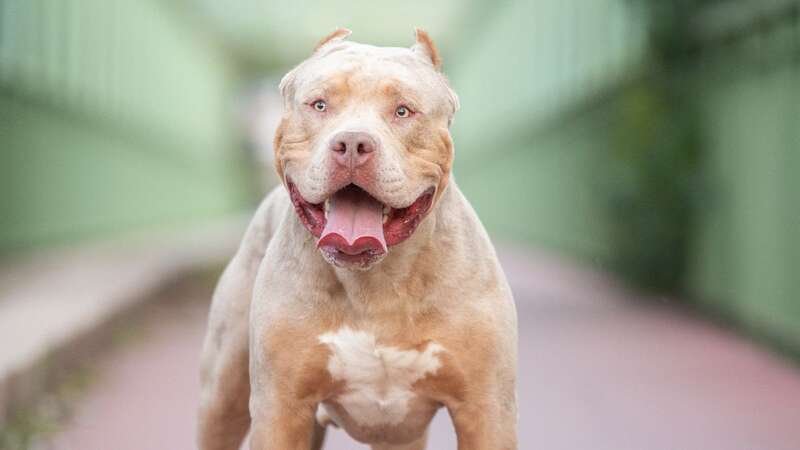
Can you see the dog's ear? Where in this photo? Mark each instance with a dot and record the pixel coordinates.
(338, 35)
(424, 46)
(286, 85)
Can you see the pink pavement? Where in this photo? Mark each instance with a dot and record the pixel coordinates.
(599, 369)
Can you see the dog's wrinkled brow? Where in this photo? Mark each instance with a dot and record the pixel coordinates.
(326, 86)
(400, 91)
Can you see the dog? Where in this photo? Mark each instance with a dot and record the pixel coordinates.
(365, 294)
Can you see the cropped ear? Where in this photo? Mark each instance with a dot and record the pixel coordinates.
(425, 48)
(286, 87)
(338, 35)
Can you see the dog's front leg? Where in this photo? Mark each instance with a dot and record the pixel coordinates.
(279, 426)
(484, 426)
(486, 418)
(223, 417)
(288, 380)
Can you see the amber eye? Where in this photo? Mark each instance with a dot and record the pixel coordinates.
(320, 105)
(402, 112)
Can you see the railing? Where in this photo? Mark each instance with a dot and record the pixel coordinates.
(114, 115)
(127, 64)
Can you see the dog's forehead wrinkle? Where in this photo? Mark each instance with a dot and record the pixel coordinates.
(365, 59)
(358, 49)
(370, 76)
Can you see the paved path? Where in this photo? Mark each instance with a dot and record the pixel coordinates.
(598, 370)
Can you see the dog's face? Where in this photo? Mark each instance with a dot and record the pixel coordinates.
(364, 146)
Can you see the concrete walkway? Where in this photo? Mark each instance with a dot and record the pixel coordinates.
(598, 370)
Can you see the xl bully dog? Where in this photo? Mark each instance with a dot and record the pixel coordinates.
(366, 293)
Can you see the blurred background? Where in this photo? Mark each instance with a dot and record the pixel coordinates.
(636, 161)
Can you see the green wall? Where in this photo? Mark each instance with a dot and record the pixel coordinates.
(549, 114)
(747, 254)
(526, 141)
(542, 188)
(114, 116)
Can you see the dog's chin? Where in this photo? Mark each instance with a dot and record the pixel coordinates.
(360, 262)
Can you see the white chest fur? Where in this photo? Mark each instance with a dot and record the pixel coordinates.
(377, 378)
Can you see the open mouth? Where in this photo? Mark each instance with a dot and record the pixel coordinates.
(355, 228)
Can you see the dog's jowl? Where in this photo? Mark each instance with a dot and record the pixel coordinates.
(366, 293)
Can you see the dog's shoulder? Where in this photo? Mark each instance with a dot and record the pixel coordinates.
(272, 210)
(268, 216)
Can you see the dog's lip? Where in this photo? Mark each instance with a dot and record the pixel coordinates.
(402, 222)
(399, 223)
(311, 215)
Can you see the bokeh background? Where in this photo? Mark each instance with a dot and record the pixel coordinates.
(655, 143)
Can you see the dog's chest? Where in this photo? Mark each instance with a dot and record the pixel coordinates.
(377, 379)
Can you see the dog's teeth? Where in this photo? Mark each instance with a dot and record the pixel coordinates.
(386, 210)
(327, 207)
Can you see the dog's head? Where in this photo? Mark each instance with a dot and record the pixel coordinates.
(364, 145)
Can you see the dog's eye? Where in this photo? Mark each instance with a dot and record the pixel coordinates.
(402, 112)
(320, 105)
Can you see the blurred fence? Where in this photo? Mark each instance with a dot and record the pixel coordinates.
(114, 115)
(746, 84)
(526, 147)
(674, 161)
(659, 139)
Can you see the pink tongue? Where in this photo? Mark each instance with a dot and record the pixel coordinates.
(354, 223)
